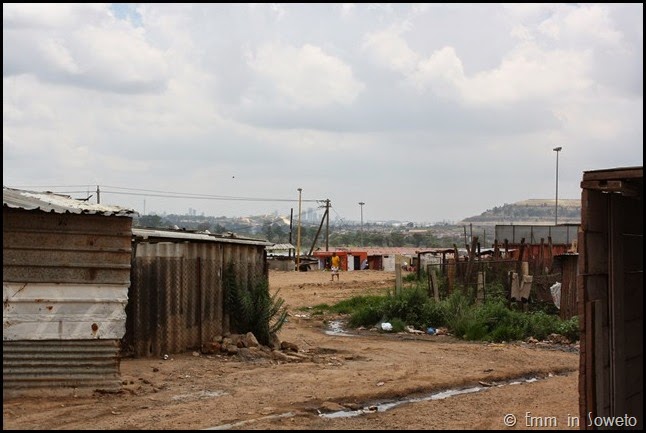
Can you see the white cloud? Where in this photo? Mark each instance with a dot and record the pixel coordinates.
(591, 23)
(349, 102)
(391, 49)
(81, 45)
(530, 74)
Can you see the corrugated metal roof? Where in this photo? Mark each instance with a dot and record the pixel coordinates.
(378, 251)
(57, 203)
(280, 247)
(151, 234)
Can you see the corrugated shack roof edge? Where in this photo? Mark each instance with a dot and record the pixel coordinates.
(47, 201)
(183, 236)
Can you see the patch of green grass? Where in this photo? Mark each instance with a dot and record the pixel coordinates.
(492, 320)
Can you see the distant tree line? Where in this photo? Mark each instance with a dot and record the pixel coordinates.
(277, 232)
(526, 212)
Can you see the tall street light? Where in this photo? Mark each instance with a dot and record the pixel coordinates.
(298, 233)
(556, 202)
(361, 233)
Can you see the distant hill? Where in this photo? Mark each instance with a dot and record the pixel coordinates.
(532, 211)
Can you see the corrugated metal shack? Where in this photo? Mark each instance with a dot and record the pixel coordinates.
(176, 300)
(281, 257)
(65, 278)
(611, 297)
(566, 265)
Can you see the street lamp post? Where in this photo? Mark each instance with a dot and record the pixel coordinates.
(556, 202)
(298, 233)
(361, 233)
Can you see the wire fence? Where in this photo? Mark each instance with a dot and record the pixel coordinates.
(481, 280)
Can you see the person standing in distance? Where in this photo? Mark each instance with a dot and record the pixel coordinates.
(335, 265)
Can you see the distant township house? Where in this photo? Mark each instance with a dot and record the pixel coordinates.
(65, 279)
(281, 257)
(381, 259)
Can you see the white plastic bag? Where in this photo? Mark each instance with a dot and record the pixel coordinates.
(386, 326)
(556, 294)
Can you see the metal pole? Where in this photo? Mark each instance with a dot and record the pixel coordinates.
(556, 201)
(298, 233)
(327, 225)
(361, 232)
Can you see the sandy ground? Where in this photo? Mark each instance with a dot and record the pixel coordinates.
(366, 380)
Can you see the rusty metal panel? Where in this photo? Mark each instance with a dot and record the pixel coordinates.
(65, 248)
(176, 296)
(569, 271)
(59, 366)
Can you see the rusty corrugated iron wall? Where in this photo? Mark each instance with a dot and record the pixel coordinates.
(569, 270)
(65, 288)
(176, 298)
(56, 365)
(40, 247)
(611, 297)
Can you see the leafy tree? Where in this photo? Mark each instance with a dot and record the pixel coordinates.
(153, 221)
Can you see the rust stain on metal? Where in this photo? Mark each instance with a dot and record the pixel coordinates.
(95, 328)
(49, 307)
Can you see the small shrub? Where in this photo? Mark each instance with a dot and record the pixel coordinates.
(569, 328)
(507, 332)
(542, 324)
(433, 314)
(409, 278)
(407, 306)
(398, 324)
(253, 309)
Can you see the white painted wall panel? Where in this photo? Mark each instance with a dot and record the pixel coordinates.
(40, 311)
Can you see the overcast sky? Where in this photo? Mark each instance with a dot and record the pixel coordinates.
(424, 112)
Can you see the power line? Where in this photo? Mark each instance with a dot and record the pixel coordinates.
(203, 196)
(53, 186)
(165, 194)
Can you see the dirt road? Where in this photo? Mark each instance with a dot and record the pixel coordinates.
(364, 380)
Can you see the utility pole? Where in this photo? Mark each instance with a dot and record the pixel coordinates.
(298, 233)
(361, 232)
(98, 195)
(327, 225)
(556, 201)
(291, 229)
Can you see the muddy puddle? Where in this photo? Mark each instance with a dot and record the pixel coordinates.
(387, 405)
(440, 395)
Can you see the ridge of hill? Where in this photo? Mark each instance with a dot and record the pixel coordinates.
(531, 211)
